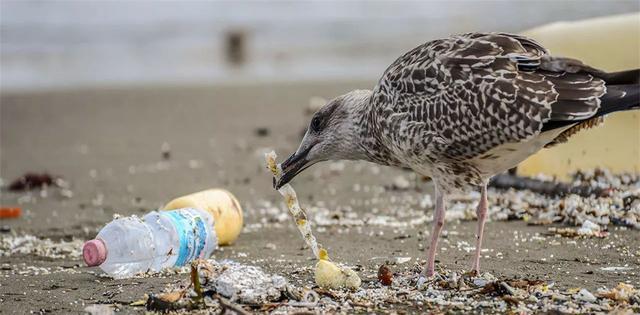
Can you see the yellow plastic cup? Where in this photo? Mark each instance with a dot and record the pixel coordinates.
(223, 206)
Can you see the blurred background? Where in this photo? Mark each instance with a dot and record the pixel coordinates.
(135, 102)
(78, 44)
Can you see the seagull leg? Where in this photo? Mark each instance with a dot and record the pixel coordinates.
(438, 222)
(482, 217)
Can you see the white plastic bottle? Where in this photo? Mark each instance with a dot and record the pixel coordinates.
(130, 245)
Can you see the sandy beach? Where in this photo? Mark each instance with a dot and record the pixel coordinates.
(107, 145)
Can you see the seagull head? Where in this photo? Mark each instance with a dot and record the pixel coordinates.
(333, 134)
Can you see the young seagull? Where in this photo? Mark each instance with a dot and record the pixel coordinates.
(461, 110)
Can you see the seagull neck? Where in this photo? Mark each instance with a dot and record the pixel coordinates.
(370, 145)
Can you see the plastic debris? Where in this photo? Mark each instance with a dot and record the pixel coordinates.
(330, 276)
(10, 212)
(291, 199)
(222, 205)
(159, 240)
(585, 295)
(247, 284)
(218, 286)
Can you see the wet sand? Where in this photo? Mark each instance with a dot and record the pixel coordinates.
(107, 145)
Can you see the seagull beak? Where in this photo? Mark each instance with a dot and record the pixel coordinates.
(295, 164)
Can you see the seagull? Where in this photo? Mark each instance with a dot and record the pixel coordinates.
(461, 110)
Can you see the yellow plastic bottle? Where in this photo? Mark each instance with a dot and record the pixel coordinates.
(224, 207)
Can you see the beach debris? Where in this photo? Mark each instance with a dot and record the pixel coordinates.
(447, 292)
(623, 292)
(141, 302)
(585, 295)
(291, 199)
(330, 276)
(240, 283)
(588, 229)
(195, 281)
(32, 180)
(227, 305)
(220, 285)
(385, 276)
(618, 206)
(164, 302)
(246, 284)
(327, 274)
(544, 187)
(32, 245)
(182, 233)
(222, 205)
(10, 212)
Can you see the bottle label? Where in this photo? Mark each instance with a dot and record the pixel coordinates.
(192, 233)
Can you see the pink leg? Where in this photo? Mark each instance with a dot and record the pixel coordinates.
(438, 222)
(482, 217)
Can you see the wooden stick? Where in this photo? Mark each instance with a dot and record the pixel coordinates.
(554, 189)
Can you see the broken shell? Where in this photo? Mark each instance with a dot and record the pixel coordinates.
(585, 295)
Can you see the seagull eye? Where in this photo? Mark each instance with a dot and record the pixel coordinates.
(315, 123)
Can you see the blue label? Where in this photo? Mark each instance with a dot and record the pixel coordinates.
(192, 234)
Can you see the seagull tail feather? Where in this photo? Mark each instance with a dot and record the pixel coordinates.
(619, 97)
(623, 93)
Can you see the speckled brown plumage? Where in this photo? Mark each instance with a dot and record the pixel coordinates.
(446, 105)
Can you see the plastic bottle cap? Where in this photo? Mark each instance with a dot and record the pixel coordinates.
(94, 252)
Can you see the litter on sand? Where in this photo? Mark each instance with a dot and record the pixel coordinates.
(327, 274)
(588, 229)
(330, 276)
(43, 247)
(291, 199)
(220, 286)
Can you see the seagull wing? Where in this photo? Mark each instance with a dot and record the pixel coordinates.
(459, 97)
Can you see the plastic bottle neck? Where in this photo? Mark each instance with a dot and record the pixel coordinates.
(94, 252)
